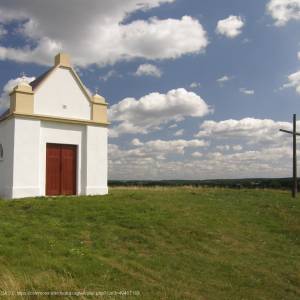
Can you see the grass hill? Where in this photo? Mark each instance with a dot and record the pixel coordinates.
(165, 243)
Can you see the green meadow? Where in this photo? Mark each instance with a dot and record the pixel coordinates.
(158, 243)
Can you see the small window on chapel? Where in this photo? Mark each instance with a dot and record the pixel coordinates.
(1, 152)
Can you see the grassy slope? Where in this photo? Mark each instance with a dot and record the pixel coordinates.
(166, 243)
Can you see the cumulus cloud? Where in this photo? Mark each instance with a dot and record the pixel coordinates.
(195, 85)
(237, 148)
(3, 31)
(150, 153)
(222, 80)
(148, 70)
(197, 154)
(283, 11)
(229, 147)
(96, 32)
(155, 164)
(249, 129)
(179, 132)
(230, 27)
(110, 74)
(173, 146)
(42, 54)
(136, 142)
(294, 82)
(8, 87)
(261, 151)
(223, 147)
(247, 91)
(253, 156)
(149, 112)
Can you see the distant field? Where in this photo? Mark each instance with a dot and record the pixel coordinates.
(166, 243)
(247, 183)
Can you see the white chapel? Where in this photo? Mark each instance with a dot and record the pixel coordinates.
(53, 137)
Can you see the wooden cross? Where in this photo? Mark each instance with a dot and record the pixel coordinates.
(294, 133)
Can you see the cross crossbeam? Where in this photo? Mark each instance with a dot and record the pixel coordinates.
(290, 132)
(294, 133)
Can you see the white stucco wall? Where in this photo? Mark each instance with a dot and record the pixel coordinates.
(7, 128)
(26, 158)
(23, 170)
(60, 95)
(96, 164)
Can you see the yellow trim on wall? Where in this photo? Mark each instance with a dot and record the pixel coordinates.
(54, 119)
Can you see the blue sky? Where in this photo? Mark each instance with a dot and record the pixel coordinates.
(216, 79)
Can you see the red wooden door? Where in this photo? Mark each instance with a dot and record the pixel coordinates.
(53, 174)
(61, 169)
(68, 170)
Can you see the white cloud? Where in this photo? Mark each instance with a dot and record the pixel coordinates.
(222, 80)
(8, 87)
(263, 152)
(244, 148)
(247, 92)
(294, 81)
(246, 41)
(223, 147)
(173, 146)
(95, 32)
(229, 147)
(253, 156)
(283, 11)
(173, 126)
(249, 129)
(155, 149)
(154, 163)
(237, 148)
(149, 112)
(110, 74)
(195, 85)
(197, 154)
(136, 142)
(230, 27)
(148, 70)
(3, 31)
(179, 132)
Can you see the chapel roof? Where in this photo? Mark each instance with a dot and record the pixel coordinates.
(35, 83)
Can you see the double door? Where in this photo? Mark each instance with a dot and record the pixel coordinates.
(61, 169)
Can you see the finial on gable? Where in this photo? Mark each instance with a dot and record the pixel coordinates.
(22, 85)
(98, 99)
(62, 59)
(99, 108)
